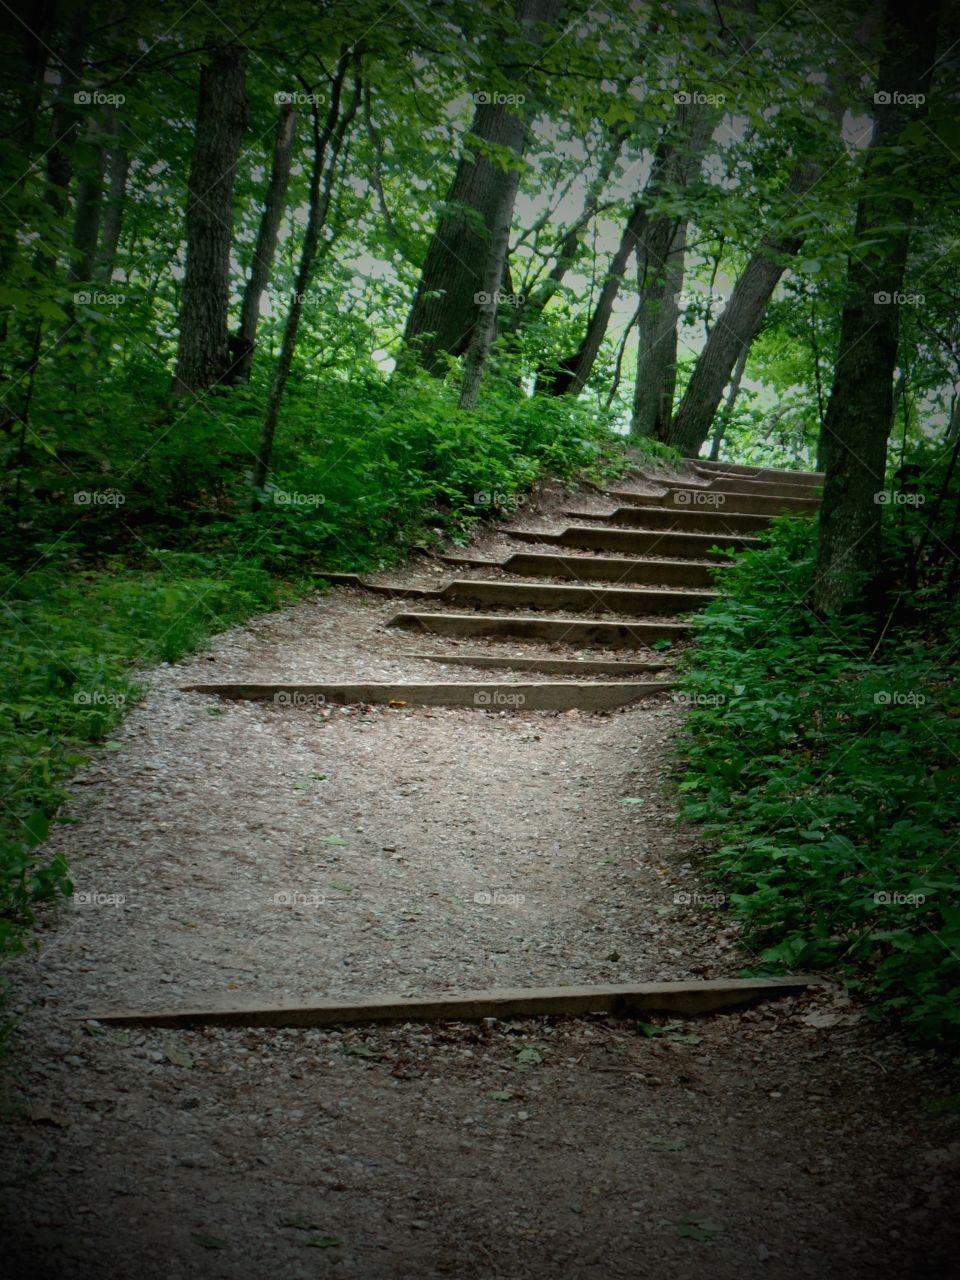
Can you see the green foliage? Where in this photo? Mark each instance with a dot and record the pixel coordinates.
(824, 759)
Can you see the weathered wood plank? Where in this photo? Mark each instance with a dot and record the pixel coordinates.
(682, 998)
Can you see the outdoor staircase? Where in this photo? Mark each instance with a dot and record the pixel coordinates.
(630, 582)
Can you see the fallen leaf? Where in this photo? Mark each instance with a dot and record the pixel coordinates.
(179, 1057)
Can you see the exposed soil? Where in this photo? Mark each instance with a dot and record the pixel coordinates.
(237, 852)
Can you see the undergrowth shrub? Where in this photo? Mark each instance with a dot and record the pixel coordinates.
(823, 757)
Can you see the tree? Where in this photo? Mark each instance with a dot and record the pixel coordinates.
(203, 353)
(266, 246)
(322, 175)
(738, 323)
(647, 234)
(857, 421)
(444, 308)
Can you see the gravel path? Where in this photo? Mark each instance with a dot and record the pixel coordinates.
(238, 852)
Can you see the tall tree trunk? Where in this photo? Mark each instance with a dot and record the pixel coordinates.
(857, 422)
(531, 15)
(737, 324)
(202, 356)
(444, 309)
(485, 328)
(112, 220)
(675, 163)
(733, 391)
(321, 187)
(661, 280)
(266, 246)
(734, 330)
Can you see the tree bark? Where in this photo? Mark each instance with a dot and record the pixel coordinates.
(661, 281)
(736, 326)
(733, 391)
(202, 356)
(321, 187)
(112, 221)
(733, 331)
(857, 422)
(444, 308)
(87, 209)
(266, 247)
(674, 165)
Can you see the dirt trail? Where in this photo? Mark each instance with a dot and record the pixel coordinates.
(239, 851)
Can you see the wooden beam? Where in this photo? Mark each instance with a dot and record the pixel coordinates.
(683, 998)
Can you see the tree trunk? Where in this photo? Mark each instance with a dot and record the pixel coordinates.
(202, 356)
(661, 280)
(723, 422)
(733, 331)
(321, 187)
(675, 164)
(88, 203)
(857, 422)
(266, 246)
(485, 328)
(736, 326)
(119, 166)
(444, 309)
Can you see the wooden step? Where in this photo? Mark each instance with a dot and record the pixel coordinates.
(684, 999)
(548, 595)
(572, 631)
(703, 520)
(633, 601)
(640, 542)
(545, 666)
(555, 695)
(679, 573)
(782, 474)
(744, 486)
(704, 498)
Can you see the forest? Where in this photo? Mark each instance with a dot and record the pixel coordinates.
(293, 287)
